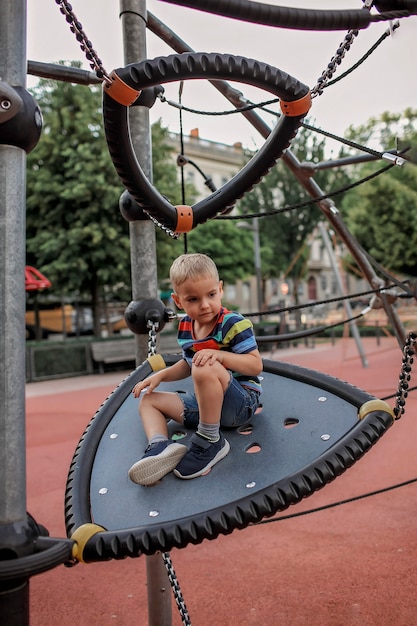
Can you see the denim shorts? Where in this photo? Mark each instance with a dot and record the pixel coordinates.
(239, 406)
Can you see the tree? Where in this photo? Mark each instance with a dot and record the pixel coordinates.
(382, 213)
(75, 231)
(230, 248)
(383, 217)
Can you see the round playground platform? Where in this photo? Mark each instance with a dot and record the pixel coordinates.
(347, 565)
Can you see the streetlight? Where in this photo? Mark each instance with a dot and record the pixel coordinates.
(254, 227)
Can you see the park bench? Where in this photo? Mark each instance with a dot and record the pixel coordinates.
(113, 351)
(109, 351)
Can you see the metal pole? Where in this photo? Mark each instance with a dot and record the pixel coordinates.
(144, 272)
(14, 602)
(258, 262)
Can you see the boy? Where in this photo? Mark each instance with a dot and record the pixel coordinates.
(221, 354)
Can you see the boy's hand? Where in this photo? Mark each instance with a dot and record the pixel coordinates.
(146, 386)
(207, 357)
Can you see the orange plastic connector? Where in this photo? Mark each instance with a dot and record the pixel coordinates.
(120, 91)
(297, 107)
(184, 218)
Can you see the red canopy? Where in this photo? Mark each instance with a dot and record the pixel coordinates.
(34, 280)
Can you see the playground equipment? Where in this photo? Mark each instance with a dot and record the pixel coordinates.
(24, 547)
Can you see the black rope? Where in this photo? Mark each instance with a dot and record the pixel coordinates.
(262, 106)
(409, 291)
(394, 395)
(346, 142)
(297, 307)
(305, 203)
(364, 57)
(339, 503)
(309, 332)
(247, 107)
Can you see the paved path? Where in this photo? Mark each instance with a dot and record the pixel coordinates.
(350, 565)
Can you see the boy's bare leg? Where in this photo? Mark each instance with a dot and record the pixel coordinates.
(208, 447)
(210, 385)
(158, 407)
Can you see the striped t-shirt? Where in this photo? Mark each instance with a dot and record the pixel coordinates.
(231, 332)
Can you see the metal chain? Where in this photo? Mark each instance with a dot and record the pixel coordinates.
(86, 46)
(165, 229)
(405, 374)
(176, 589)
(153, 327)
(96, 64)
(338, 57)
(334, 62)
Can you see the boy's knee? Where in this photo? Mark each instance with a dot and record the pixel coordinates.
(203, 372)
(146, 401)
(207, 373)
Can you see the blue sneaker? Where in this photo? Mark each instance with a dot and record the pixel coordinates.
(201, 456)
(159, 459)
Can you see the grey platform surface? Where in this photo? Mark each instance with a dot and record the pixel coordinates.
(297, 424)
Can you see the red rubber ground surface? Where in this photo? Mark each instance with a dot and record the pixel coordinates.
(351, 565)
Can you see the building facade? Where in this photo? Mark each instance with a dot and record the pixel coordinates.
(206, 160)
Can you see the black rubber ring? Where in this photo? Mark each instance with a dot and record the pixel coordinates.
(178, 67)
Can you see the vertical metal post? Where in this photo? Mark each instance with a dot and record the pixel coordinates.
(13, 602)
(258, 262)
(142, 233)
(144, 273)
(254, 228)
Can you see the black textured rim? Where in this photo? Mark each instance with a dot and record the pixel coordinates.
(295, 18)
(208, 66)
(49, 553)
(238, 514)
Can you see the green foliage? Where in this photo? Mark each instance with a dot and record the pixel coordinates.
(75, 232)
(383, 217)
(60, 359)
(231, 248)
(387, 130)
(382, 213)
(164, 170)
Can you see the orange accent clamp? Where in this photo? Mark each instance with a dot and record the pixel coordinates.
(120, 91)
(297, 107)
(184, 218)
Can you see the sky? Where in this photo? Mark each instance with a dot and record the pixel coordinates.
(387, 81)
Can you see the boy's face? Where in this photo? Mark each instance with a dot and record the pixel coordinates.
(200, 299)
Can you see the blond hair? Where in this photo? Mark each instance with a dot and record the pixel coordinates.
(192, 266)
